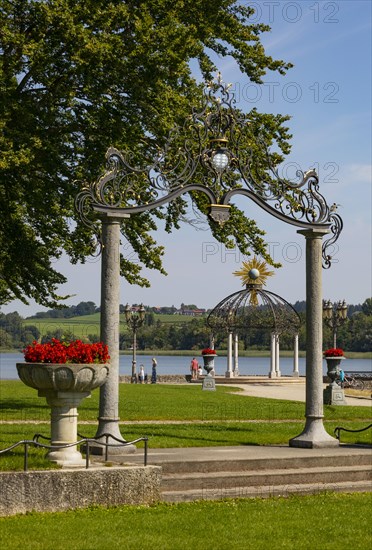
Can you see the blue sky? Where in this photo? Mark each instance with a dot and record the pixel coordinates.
(328, 96)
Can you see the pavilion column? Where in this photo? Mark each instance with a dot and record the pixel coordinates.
(110, 327)
(295, 372)
(272, 373)
(236, 355)
(314, 434)
(211, 342)
(277, 357)
(229, 373)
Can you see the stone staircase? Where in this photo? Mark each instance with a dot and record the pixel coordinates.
(213, 473)
(188, 480)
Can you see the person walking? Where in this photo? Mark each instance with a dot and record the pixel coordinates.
(342, 378)
(142, 374)
(194, 366)
(153, 372)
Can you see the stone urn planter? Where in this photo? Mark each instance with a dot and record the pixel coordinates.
(209, 382)
(64, 386)
(333, 394)
(209, 363)
(333, 368)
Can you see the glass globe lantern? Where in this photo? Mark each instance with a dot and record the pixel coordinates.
(220, 157)
(327, 309)
(220, 160)
(342, 310)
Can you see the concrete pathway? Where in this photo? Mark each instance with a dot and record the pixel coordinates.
(290, 392)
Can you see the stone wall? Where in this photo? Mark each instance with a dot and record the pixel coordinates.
(58, 490)
(162, 379)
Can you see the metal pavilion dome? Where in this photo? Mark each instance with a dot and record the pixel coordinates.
(254, 308)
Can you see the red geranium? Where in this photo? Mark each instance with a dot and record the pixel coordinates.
(63, 352)
(208, 351)
(333, 352)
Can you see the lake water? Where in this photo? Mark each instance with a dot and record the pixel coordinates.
(168, 364)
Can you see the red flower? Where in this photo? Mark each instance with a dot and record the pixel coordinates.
(333, 352)
(208, 351)
(62, 352)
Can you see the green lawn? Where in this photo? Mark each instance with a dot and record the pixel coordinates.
(327, 521)
(323, 521)
(224, 417)
(173, 435)
(170, 402)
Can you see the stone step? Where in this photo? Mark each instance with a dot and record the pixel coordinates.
(254, 464)
(255, 471)
(269, 477)
(257, 379)
(265, 491)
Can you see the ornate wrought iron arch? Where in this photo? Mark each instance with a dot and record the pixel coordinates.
(213, 153)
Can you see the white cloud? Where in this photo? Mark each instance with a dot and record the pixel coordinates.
(357, 173)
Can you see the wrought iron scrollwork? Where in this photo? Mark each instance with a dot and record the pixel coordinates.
(254, 308)
(214, 153)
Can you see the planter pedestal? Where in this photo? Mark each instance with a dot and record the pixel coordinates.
(333, 394)
(63, 425)
(209, 382)
(64, 386)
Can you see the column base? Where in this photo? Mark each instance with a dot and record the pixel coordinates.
(314, 436)
(229, 374)
(295, 374)
(110, 426)
(272, 374)
(100, 450)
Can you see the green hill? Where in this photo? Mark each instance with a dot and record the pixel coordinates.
(84, 325)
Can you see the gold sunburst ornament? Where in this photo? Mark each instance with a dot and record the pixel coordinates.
(255, 272)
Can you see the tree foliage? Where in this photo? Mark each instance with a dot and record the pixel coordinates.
(354, 335)
(77, 76)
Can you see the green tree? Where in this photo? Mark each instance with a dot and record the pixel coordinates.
(77, 76)
(6, 341)
(367, 306)
(361, 332)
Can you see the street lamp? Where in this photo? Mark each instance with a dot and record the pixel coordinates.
(134, 320)
(334, 316)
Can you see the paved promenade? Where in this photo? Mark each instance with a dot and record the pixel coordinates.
(291, 392)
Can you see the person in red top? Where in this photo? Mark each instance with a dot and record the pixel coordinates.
(194, 366)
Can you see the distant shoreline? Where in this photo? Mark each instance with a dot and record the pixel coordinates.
(243, 353)
(223, 353)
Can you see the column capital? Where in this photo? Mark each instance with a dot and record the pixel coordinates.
(314, 232)
(111, 217)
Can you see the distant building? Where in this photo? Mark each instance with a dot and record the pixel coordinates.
(192, 312)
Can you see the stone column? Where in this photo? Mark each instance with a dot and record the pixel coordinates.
(295, 372)
(314, 434)
(229, 373)
(110, 327)
(277, 357)
(272, 373)
(236, 355)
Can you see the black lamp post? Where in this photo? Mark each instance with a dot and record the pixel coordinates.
(134, 320)
(334, 316)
